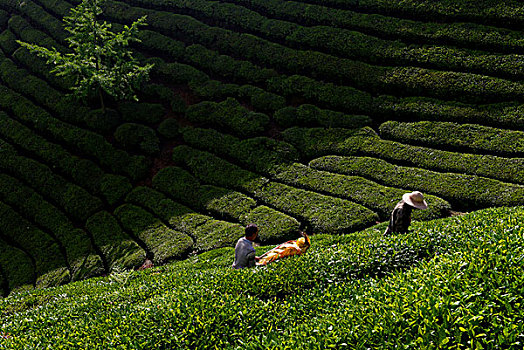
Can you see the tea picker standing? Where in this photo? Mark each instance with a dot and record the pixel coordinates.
(401, 215)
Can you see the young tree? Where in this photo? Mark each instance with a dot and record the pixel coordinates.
(100, 60)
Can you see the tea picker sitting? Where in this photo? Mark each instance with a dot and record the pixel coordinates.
(244, 251)
(289, 248)
(401, 215)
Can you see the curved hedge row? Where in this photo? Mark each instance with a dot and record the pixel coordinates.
(471, 192)
(17, 269)
(464, 136)
(500, 13)
(316, 142)
(86, 142)
(74, 200)
(229, 114)
(163, 244)
(457, 33)
(83, 172)
(45, 20)
(259, 154)
(225, 203)
(377, 197)
(509, 115)
(50, 266)
(145, 113)
(116, 246)
(137, 137)
(405, 107)
(276, 160)
(367, 76)
(310, 115)
(322, 213)
(8, 42)
(353, 98)
(75, 245)
(207, 232)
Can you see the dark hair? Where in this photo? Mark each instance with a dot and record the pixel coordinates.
(251, 229)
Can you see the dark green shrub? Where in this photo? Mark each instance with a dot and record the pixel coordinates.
(310, 115)
(74, 243)
(16, 268)
(53, 25)
(8, 42)
(262, 100)
(213, 90)
(169, 128)
(102, 122)
(4, 16)
(462, 34)
(260, 154)
(71, 198)
(179, 73)
(228, 114)
(86, 141)
(225, 203)
(137, 137)
(325, 94)
(145, 113)
(207, 232)
(114, 187)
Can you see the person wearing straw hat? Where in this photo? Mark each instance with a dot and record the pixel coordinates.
(401, 215)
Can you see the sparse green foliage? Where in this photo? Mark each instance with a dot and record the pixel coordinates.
(100, 60)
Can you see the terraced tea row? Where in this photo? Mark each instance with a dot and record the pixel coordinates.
(403, 108)
(354, 282)
(468, 35)
(151, 180)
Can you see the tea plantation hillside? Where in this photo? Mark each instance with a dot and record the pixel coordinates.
(452, 283)
(294, 115)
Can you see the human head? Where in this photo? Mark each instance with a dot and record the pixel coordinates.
(251, 232)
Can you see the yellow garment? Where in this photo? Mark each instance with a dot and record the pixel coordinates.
(289, 248)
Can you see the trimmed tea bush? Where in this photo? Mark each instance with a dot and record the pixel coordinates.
(169, 128)
(17, 269)
(228, 114)
(317, 142)
(222, 202)
(118, 249)
(432, 278)
(463, 136)
(310, 115)
(465, 190)
(207, 232)
(379, 198)
(323, 213)
(144, 113)
(137, 137)
(163, 244)
(50, 265)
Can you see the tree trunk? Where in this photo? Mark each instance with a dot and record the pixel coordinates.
(101, 100)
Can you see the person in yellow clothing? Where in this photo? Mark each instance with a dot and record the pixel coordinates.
(289, 248)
